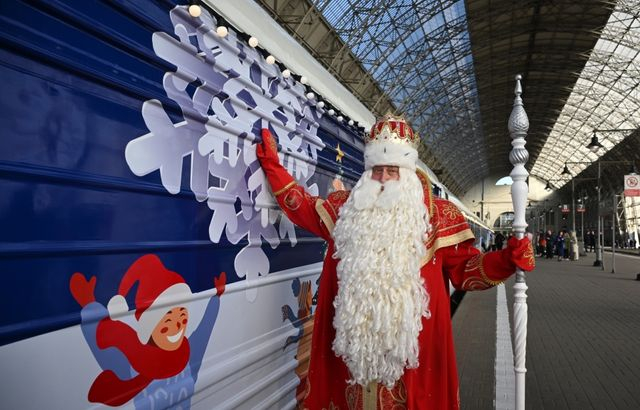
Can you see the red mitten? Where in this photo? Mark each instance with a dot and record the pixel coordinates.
(267, 149)
(220, 283)
(82, 289)
(267, 153)
(521, 253)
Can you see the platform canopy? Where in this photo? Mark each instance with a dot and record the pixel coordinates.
(449, 66)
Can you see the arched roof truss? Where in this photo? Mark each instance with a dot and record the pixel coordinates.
(606, 97)
(419, 53)
(448, 65)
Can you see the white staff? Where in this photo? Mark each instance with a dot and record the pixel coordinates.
(518, 126)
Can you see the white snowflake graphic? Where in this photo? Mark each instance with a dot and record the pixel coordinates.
(227, 93)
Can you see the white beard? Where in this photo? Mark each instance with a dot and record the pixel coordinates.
(381, 296)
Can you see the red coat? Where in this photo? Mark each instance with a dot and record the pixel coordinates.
(450, 257)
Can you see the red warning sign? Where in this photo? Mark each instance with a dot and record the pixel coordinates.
(632, 185)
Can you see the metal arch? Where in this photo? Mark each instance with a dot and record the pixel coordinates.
(613, 168)
(606, 94)
(307, 24)
(409, 68)
(386, 56)
(425, 71)
(429, 104)
(421, 13)
(574, 137)
(548, 42)
(357, 27)
(446, 61)
(577, 139)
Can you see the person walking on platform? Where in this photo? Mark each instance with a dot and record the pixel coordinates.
(560, 245)
(382, 329)
(574, 246)
(549, 239)
(542, 244)
(499, 240)
(585, 240)
(592, 241)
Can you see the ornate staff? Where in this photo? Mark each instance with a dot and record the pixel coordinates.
(518, 126)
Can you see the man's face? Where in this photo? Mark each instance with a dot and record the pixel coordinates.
(384, 173)
(169, 332)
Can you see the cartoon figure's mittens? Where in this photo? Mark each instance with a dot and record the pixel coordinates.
(82, 289)
(220, 283)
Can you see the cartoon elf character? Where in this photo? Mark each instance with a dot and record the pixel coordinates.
(302, 290)
(155, 362)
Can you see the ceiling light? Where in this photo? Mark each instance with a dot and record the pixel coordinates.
(594, 145)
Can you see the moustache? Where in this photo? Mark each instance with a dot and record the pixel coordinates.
(373, 193)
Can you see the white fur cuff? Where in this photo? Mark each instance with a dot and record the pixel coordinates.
(390, 153)
(117, 306)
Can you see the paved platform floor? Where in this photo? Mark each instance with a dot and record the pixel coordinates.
(583, 343)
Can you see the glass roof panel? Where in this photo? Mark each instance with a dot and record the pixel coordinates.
(419, 53)
(605, 97)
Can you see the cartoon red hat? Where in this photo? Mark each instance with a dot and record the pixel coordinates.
(159, 289)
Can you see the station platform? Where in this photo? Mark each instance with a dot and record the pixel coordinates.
(583, 341)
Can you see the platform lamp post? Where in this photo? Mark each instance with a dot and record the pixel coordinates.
(549, 210)
(613, 222)
(518, 126)
(544, 212)
(534, 215)
(613, 232)
(541, 214)
(594, 146)
(582, 200)
(538, 214)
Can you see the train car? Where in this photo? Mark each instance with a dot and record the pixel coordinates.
(481, 231)
(135, 214)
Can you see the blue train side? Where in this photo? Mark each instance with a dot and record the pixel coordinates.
(134, 212)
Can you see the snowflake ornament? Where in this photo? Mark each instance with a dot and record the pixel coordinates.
(227, 93)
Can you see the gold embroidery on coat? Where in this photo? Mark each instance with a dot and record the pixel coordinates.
(528, 255)
(394, 399)
(451, 212)
(353, 395)
(285, 188)
(293, 199)
(484, 276)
